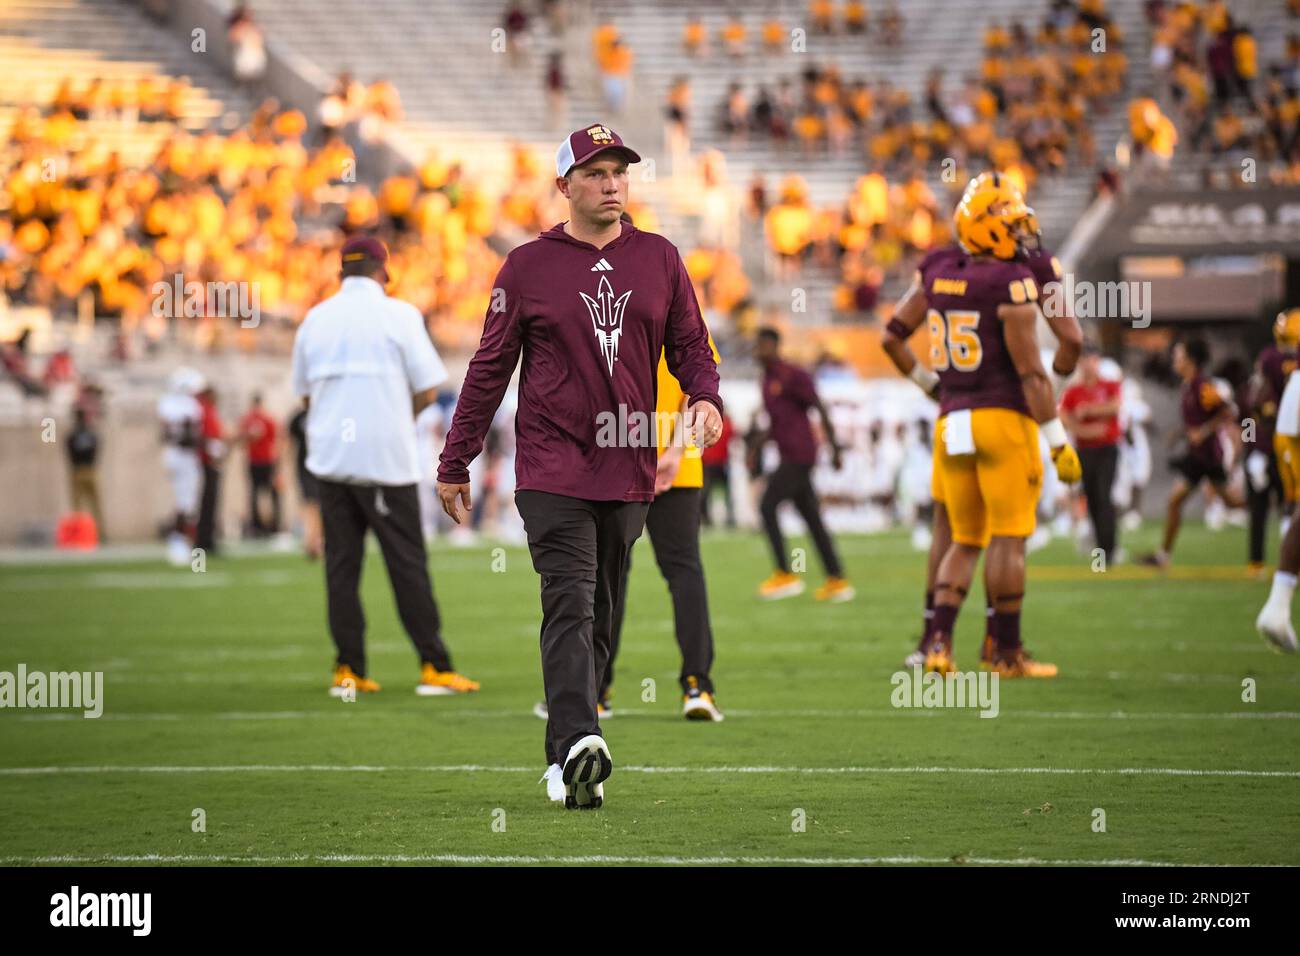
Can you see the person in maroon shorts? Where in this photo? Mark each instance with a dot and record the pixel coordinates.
(788, 395)
(1204, 412)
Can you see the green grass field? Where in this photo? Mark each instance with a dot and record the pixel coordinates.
(215, 699)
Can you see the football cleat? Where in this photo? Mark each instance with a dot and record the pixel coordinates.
(1019, 663)
(699, 704)
(1156, 559)
(436, 683)
(939, 658)
(987, 652)
(915, 659)
(1274, 625)
(586, 768)
(780, 584)
(554, 780)
(346, 679)
(835, 590)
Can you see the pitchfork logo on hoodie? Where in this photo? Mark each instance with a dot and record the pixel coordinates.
(607, 319)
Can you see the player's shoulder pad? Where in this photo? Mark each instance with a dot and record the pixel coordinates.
(1012, 282)
(1045, 266)
(937, 256)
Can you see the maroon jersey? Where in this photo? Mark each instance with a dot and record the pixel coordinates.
(1275, 367)
(788, 393)
(590, 324)
(1201, 401)
(1272, 368)
(967, 347)
(1045, 267)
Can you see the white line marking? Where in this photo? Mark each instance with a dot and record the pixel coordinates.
(674, 714)
(481, 768)
(666, 860)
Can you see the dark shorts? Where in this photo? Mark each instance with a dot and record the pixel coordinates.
(1195, 470)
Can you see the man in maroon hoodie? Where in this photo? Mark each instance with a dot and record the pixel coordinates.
(589, 304)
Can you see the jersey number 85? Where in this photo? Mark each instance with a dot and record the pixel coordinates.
(954, 341)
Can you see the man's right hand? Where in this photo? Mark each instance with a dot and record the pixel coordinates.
(448, 493)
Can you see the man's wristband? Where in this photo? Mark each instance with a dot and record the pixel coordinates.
(1054, 432)
(896, 328)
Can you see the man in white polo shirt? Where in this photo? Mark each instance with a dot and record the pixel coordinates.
(364, 366)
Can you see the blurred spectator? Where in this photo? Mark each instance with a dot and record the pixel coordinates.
(83, 451)
(716, 460)
(677, 126)
(892, 25)
(308, 489)
(1090, 408)
(695, 38)
(212, 449)
(260, 432)
(247, 46)
(734, 36)
(557, 108)
(616, 69)
(515, 23)
(13, 356)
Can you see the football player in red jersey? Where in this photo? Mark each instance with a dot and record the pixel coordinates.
(981, 308)
(1046, 269)
(1205, 410)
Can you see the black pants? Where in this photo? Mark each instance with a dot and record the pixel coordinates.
(206, 530)
(393, 513)
(673, 523)
(579, 549)
(793, 483)
(716, 476)
(261, 478)
(1259, 503)
(1099, 466)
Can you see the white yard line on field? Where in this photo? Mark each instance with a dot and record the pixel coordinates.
(587, 860)
(480, 768)
(671, 713)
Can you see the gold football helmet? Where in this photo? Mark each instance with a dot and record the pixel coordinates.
(1286, 330)
(993, 220)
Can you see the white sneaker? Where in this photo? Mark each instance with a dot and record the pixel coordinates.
(540, 710)
(1274, 625)
(586, 767)
(554, 780)
(700, 705)
(914, 659)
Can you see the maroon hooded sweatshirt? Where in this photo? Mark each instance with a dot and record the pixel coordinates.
(590, 324)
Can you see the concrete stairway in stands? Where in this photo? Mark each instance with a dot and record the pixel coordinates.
(44, 41)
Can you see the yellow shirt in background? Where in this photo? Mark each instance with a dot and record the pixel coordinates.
(691, 472)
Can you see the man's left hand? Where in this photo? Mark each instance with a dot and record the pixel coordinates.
(705, 422)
